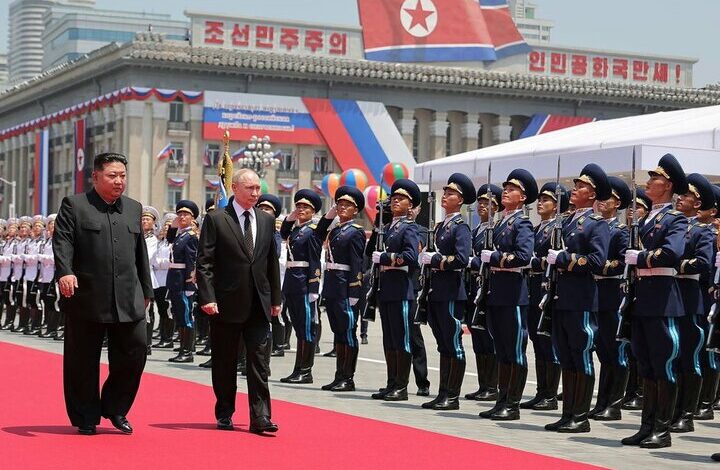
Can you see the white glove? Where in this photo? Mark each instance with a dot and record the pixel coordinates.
(426, 257)
(353, 301)
(313, 297)
(376, 257)
(717, 260)
(485, 255)
(631, 257)
(189, 293)
(552, 256)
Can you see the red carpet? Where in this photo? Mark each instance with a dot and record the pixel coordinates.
(175, 429)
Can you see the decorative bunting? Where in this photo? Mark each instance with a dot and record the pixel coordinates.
(176, 182)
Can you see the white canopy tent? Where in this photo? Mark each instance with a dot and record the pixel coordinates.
(692, 135)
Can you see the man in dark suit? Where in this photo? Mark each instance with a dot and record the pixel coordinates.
(238, 278)
(104, 277)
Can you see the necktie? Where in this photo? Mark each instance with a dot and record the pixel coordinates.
(247, 228)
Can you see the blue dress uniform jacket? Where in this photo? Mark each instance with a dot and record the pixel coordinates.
(401, 249)
(663, 239)
(452, 243)
(699, 244)
(707, 278)
(586, 245)
(609, 290)
(303, 244)
(538, 264)
(278, 243)
(346, 246)
(514, 242)
(184, 250)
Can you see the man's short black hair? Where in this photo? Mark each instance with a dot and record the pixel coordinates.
(103, 159)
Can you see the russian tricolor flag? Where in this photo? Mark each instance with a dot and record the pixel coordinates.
(438, 30)
(165, 153)
(544, 123)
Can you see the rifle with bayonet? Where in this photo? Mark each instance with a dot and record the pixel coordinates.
(421, 307)
(369, 312)
(630, 275)
(479, 318)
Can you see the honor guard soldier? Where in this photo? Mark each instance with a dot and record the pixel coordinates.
(149, 220)
(448, 296)
(611, 352)
(272, 204)
(396, 292)
(513, 242)
(3, 262)
(633, 392)
(482, 340)
(302, 280)
(181, 288)
(32, 275)
(696, 260)
(658, 303)
(342, 283)
(708, 359)
(547, 364)
(586, 239)
(161, 267)
(6, 268)
(48, 287)
(18, 274)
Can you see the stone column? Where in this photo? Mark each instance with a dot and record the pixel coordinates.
(502, 130)
(195, 149)
(406, 126)
(438, 133)
(159, 138)
(469, 132)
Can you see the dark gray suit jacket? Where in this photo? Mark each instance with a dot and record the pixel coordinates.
(104, 247)
(225, 271)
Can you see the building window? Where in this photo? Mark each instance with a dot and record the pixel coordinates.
(178, 155)
(213, 154)
(448, 139)
(287, 162)
(416, 139)
(174, 195)
(320, 162)
(209, 194)
(177, 109)
(287, 202)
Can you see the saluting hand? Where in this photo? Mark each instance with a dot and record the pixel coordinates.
(67, 285)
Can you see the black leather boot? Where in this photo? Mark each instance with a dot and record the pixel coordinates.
(581, 405)
(347, 384)
(491, 379)
(391, 367)
(648, 414)
(480, 363)
(35, 323)
(707, 395)
(22, 322)
(442, 386)
(187, 344)
(568, 385)
(511, 409)
(455, 379)
(688, 403)
(633, 399)
(9, 318)
(666, 397)
(339, 363)
(618, 384)
(399, 389)
(504, 371)
(181, 350)
(303, 372)
(603, 391)
(552, 380)
(167, 326)
(541, 389)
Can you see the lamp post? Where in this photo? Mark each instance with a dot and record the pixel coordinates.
(11, 206)
(259, 156)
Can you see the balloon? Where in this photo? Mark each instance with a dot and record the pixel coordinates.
(372, 193)
(393, 172)
(330, 183)
(355, 178)
(263, 186)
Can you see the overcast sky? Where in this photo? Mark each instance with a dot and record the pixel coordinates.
(651, 26)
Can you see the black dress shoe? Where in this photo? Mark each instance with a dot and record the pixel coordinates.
(546, 404)
(164, 345)
(716, 457)
(278, 353)
(87, 430)
(263, 424)
(423, 392)
(121, 423)
(206, 365)
(205, 352)
(330, 353)
(363, 340)
(225, 424)
(49, 334)
(396, 394)
(345, 385)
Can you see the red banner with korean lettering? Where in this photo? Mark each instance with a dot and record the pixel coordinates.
(80, 156)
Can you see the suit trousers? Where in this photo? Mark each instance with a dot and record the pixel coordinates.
(85, 404)
(656, 346)
(610, 351)
(573, 333)
(225, 337)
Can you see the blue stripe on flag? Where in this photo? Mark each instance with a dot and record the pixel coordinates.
(534, 126)
(433, 54)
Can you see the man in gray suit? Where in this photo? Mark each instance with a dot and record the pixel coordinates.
(103, 273)
(238, 279)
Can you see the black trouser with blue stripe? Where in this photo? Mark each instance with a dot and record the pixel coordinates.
(610, 351)
(181, 307)
(708, 359)
(508, 327)
(445, 320)
(395, 318)
(302, 315)
(656, 346)
(542, 345)
(692, 344)
(573, 334)
(343, 321)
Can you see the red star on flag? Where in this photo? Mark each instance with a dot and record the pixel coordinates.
(419, 16)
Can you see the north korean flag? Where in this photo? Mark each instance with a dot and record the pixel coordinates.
(432, 30)
(505, 36)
